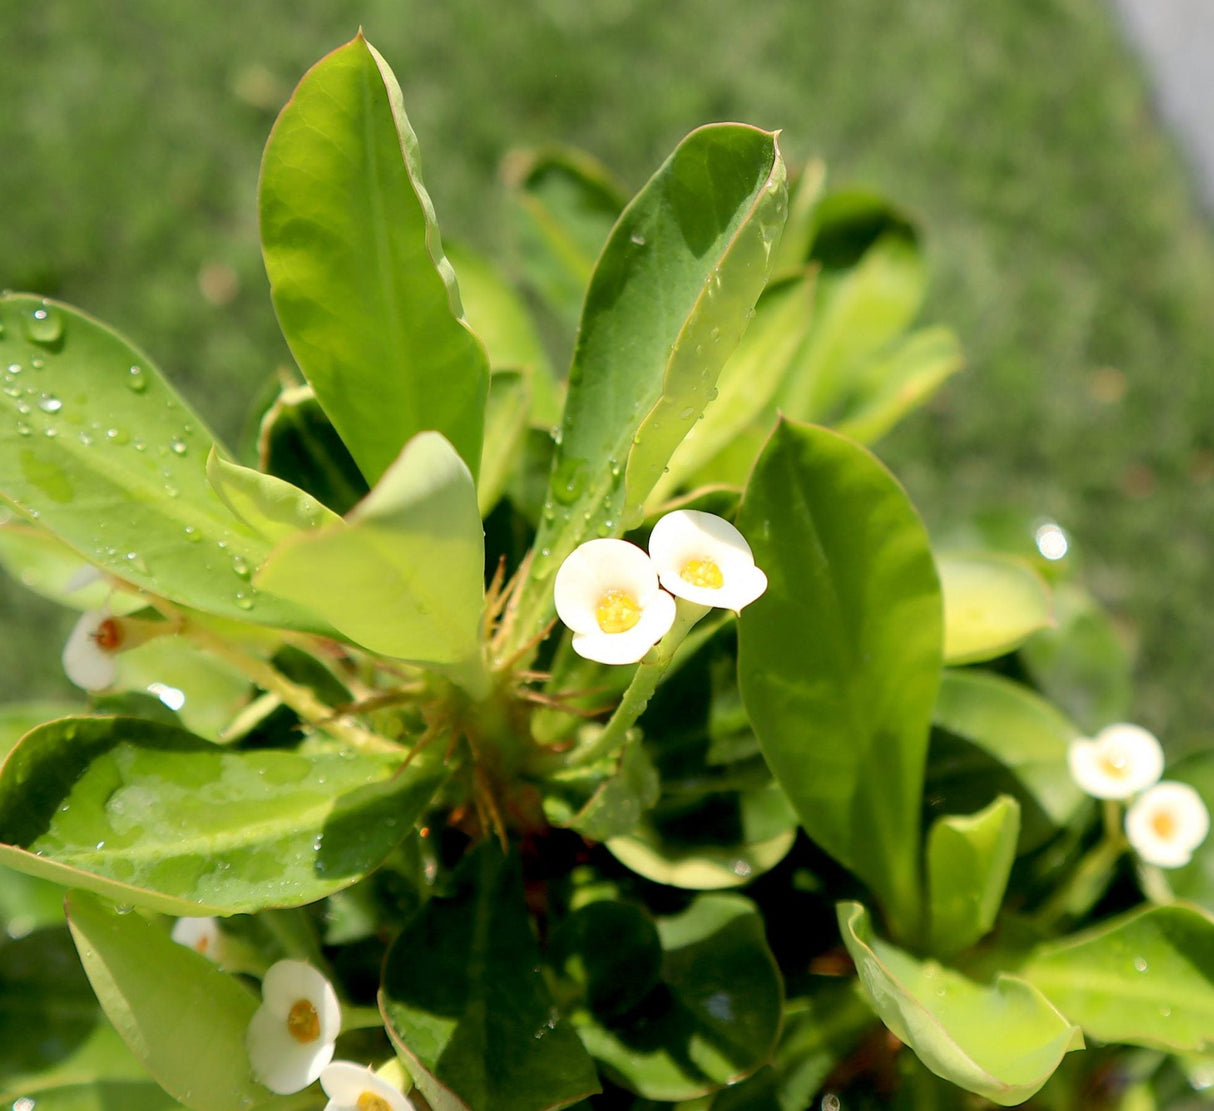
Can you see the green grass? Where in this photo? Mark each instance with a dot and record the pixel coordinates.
(1067, 247)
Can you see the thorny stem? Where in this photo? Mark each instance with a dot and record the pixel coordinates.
(299, 698)
(648, 674)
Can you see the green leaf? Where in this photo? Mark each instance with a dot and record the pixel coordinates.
(47, 566)
(565, 206)
(860, 308)
(152, 816)
(746, 386)
(18, 718)
(893, 383)
(714, 1017)
(505, 433)
(181, 1017)
(1001, 738)
(805, 195)
(670, 297)
(403, 575)
(365, 297)
(726, 839)
(839, 661)
(992, 604)
(299, 443)
(617, 802)
(1146, 978)
(104, 454)
(467, 1007)
(269, 505)
(1002, 1041)
(1195, 881)
(969, 860)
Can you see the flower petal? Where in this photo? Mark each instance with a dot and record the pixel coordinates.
(345, 1082)
(1120, 761)
(286, 982)
(1166, 823)
(84, 661)
(690, 535)
(592, 569)
(280, 1062)
(628, 647)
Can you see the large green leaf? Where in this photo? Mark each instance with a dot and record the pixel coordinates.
(998, 737)
(1002, 1041)
(713, 1018)
(44, 564)
(182, 1018)
(466, 1005)
(839, 661)
(992, 604)
(670, 297)
(969, 859)
(150, 815)
(269, 505)
(1146, 978)
(101, 451)
(403, 574)
(365, 296)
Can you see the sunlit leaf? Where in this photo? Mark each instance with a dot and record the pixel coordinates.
(992, 604)
(365, 296)
(1001, 1041)
(270, 505)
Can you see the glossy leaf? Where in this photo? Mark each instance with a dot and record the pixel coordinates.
(299, 443)
(403, 574)
(893, 383)
(804, 196)
(670, 297)
(992, 604)
(105, 454)
(999, 737)
(839, 661)
(506, 422)
(56, 1048)
(150, 815)
(1146, 978)
(269, 505)
(714, 1017)
(47, 566)
(746, 386)
(969, 859)
(365, 297)
(18, 718)
(180, 1016)
(467, 1007)
(565, 206)
(1001, 1041)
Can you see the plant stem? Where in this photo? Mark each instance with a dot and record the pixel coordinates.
(1087, 883)
(299, 698)
(648, 674)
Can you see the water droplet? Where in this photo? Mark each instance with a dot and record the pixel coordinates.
(639, 240)
(49, 403)
(139, 445)
(715, 335)
(192, 534)
(687, 412)
(23, 408)
(178, 446)
(50, 433)
(101, 844)
(1165, 1012)
(117, 435)
(241, 566)
(23, 429)
(44, 325)
(569, 480)
(136, 379)
(134, 559)
(37, 364)
(12, 391)
(85, 439)
(245, 602)
(1140, 963)
(171, 490)
(14, 368)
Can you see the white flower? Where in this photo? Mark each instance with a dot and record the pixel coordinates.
(607, 592)
(352, 1087)
(88, 655)
(1121, 761)
(200, 934)
(703, 558)
(1167, 823)
(290, 1038)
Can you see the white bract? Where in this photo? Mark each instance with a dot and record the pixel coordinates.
(607, 592)
(352, 1087)
(88, 655)
(703, 558)
(1166, 823)
(200, 934)
(1118, 762)
(290, 1038)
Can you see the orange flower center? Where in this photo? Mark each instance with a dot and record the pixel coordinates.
(303, 1023)
(1164, 823)
(369, 1101)
(108, 635)
(704, 573)
(617, 611)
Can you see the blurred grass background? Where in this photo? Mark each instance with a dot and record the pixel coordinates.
(1066, 243)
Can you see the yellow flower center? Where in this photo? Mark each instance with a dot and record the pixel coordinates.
(702, 572)
(369, 1101)
(303, 1023)
(617, 611)
(1115, 763)
(1163, 822)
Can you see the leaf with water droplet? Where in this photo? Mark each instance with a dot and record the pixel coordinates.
(44, 324)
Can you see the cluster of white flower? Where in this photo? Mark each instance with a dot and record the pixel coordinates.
(1166, 821)
(620, 602)
(292, 1037)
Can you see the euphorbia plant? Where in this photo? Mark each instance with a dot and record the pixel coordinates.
(751, 798)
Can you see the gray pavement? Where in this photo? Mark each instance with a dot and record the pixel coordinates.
(1176, 40)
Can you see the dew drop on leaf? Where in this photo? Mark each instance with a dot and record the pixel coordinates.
(136, 379)
(44, 325)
